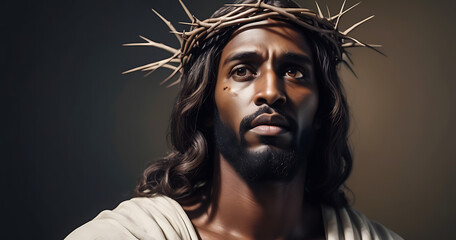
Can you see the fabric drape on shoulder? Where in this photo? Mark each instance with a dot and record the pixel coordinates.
(155, 218)
(161, 217)
(349, 224)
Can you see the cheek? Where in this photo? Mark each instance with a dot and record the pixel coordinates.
(306, 105)
(229, 105)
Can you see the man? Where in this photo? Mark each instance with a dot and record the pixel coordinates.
(259, 135)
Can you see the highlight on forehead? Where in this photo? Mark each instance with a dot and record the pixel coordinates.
(244, 42)
(242, 14)
(290, 56)
(278, 27)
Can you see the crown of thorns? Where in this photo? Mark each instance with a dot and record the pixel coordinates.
(201, 31)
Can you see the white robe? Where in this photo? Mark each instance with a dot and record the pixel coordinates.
(161, 217)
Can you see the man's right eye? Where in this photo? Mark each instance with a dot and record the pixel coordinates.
(242, 73)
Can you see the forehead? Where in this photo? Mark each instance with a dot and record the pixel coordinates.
(268, 36)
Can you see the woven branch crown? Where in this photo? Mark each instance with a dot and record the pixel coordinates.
(201, 31)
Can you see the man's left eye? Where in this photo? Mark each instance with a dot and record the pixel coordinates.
(294, 73)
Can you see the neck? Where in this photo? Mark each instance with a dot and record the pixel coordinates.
(274, 210)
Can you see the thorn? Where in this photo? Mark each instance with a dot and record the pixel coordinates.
(356, 25)
(176, 33)
(340, 14)
(186, 23)
(145, 39)
(169, 24)
(190, 16)
(349, 67)
(174, 83)
(320, 14)
(347, 55)
(348, 9)
(170, 76)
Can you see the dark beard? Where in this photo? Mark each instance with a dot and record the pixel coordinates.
(272, 164)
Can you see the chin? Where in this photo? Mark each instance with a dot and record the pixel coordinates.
(269, 164)
(263, 163)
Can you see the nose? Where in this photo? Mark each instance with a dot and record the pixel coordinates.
(269, 89)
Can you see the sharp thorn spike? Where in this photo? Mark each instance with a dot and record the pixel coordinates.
(340, 14)
(348, 9)
(186, 23)
(170, 76)
(145, 39)
(356, 25)
(320, 14)
(349, 68)
(190, 16)
(169, 24)
(174, 83)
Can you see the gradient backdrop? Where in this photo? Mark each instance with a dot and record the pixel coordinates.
(76, 134)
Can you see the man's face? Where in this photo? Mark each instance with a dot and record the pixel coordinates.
(266, 97)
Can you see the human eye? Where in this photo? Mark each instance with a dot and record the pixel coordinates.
(296, 73)
(242, 73)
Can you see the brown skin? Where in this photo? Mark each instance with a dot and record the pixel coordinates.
(277, 71)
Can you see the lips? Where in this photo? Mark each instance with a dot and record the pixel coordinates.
(269, 124)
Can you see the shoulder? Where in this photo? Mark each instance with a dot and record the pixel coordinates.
(348, 223)
(158, 217)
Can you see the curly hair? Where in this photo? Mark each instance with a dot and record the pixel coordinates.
(189, 166)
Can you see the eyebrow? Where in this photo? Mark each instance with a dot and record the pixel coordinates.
(297, 57)
(242, 55)
(289, 56)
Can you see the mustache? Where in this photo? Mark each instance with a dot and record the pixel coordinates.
(246, 122)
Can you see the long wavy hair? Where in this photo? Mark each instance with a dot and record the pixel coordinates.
(188, 168)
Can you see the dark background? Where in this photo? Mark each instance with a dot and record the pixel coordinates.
(76, 133)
